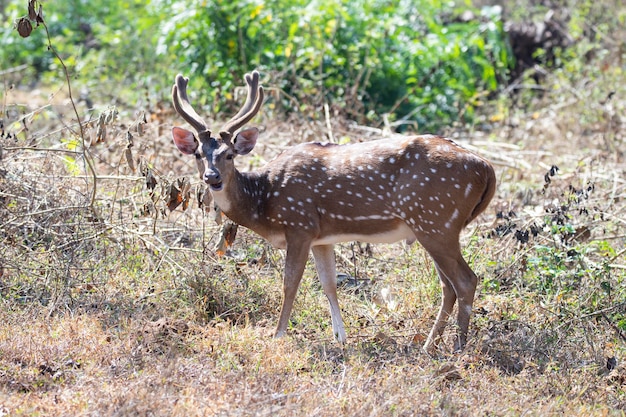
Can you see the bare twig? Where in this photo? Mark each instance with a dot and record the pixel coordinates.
(329, 127)
(31, 148)
(86, 153)
(13, 70)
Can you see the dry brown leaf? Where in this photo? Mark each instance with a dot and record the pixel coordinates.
(229, 233)
(128, 153)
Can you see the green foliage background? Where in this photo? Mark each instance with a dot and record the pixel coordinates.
(413, 59)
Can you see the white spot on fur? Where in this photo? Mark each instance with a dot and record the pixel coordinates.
(468, 189)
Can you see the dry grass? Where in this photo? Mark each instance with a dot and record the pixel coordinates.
(123, 308)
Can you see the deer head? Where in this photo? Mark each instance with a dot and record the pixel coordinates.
(214, 156)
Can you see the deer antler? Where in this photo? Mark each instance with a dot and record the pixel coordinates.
(183, 107)
(250, 108)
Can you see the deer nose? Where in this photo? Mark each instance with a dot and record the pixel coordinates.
(212, 177)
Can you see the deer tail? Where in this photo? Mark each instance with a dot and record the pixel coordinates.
(488, 193)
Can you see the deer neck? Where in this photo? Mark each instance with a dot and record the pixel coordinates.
(241, 197)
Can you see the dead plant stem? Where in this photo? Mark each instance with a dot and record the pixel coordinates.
(86, 153)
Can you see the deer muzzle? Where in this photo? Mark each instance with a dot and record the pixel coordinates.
(213, 179)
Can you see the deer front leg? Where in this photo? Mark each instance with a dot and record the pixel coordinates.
(325, 265)
(297, 255)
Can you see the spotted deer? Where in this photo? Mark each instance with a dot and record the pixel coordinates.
(313, 195)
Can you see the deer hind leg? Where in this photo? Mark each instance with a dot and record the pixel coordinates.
(325, 265)
(297, 255)
(448, 299)
(458, 283)
(465, 288)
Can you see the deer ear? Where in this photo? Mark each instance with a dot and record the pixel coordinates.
(184, 140)
(245, 141)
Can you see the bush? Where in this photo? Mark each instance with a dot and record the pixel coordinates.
(412, 59)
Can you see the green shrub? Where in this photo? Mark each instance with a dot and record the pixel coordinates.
(410, 59)
(406, 58)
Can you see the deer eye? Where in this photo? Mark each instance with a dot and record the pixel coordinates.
(229, 156)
